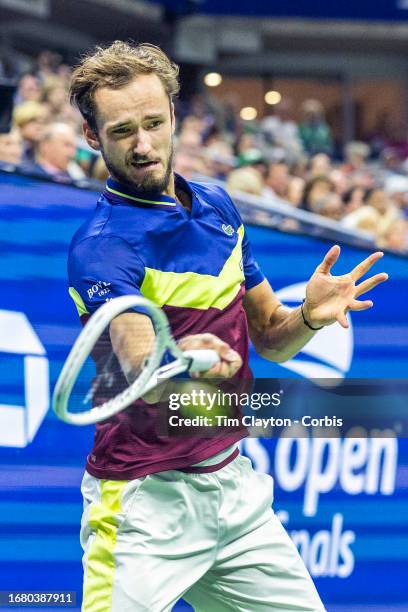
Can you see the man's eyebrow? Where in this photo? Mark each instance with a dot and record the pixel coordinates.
(119, 125)
(129, 121)
(154, 116)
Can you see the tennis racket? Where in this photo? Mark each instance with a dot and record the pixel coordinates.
(92, 385)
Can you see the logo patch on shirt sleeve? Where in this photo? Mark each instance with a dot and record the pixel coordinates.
(228, 229)
(100, 288)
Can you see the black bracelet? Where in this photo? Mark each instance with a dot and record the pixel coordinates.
(306, 322)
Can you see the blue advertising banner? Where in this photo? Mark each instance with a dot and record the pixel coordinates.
(344, 501)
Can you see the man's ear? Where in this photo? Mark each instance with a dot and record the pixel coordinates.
(91, 137)
(173, 118)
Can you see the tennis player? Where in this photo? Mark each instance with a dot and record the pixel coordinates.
(170, 517)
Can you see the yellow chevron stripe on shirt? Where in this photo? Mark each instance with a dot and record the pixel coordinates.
(193, 290)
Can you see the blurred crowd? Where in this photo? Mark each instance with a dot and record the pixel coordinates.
(275, 158)
(365, 188)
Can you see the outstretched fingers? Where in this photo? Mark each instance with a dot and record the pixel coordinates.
(342, 319)
(370, 283)
(360, 305)
(365, 265)
(329, 260)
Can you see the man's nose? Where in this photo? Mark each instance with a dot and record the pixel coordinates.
(142, 145)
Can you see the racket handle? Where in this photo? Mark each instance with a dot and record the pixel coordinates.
(201, 359)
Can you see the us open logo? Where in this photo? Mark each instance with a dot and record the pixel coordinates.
(19, 424)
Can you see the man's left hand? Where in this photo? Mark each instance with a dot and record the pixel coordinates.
(329, 298)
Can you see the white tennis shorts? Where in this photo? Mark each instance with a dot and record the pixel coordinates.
(210, 538)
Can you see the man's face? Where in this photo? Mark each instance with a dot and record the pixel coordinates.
(33, 129)
(135, 128)
(10, 147)
(29, 88)
(59, 149)
(278, 179)
(379, 200)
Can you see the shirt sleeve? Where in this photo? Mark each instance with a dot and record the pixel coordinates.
(252, 271)
(103, 268)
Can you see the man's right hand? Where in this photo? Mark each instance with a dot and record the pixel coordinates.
(230, 361)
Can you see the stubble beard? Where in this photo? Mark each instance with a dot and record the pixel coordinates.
(149, 183)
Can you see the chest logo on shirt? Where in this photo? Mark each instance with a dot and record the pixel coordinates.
(227, 229)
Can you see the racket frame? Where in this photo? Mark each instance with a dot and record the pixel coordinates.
(151, 375)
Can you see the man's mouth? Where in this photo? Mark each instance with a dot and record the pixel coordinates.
(145, 165)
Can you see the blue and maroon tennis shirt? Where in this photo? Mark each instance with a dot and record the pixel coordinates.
(196, 265)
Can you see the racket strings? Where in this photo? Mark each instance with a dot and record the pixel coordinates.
(106, 379)
(102, 378)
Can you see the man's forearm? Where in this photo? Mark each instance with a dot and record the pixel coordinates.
(284, 336)
(133, 337)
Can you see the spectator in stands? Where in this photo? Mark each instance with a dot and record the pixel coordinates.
(379, 199)
(329, 206)
(340, 181)
(29, 89)
(280, 130)
(54, 95)
(315, 191)
(356, 154)
(278, 179)
(29, 120)
(394, 236)
(245, 179)
(296, 190)
(190, 134)
(383, 204)
(320, 164)
(366, 180)
(391, 162)
(365, 218)
(353, 198)
(249, 180)
(189, 162)
(301, 168)
(213, 136)
(11, 148)
(245, 142)
(377, 212)
(396, 187)
(55, 154)
(256, 159)
(314, 132)
(64, 72)
(219, 159)
(55, 100)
